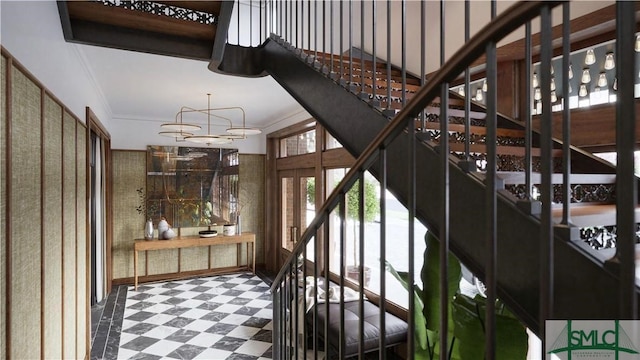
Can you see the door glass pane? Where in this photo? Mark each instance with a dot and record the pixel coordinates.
(307, 204)
(287, 212)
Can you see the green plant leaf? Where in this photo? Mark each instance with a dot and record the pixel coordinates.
(420, 322)
(469, 318)
(431, 282)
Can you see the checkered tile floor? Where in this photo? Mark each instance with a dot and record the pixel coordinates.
(221, 317)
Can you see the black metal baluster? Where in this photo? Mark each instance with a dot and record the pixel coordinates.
(374, 70)
(383, 254)
(315, 32)
(411, 205)
(546, 163)
(566, 118)
(444, 183)
(292, 316)
(361, 275)
(304, 296)
(352, 87)
(363, 93)
(341, 75)
(300, 15)
(327, 271)
(295, 299)
(404, 53)
(315, 295)
(625, 178)
(324, 37)
(468, 164)
(423, 60)
(527, 113)
(343, 239)
(389, 112)
(309, 33)
(331, 72)
(491, 211)
(275, 296)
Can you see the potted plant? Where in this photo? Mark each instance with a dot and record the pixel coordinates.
(371, 210)
(466, 315)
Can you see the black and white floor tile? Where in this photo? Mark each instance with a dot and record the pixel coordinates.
(221, 317)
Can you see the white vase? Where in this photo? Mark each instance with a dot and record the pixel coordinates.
(148, 230)
(163, 226)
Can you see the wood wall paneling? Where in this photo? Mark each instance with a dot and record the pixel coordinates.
(591, 127)
(194, 259)
(43, 315)
(128, 174)
(82, 297)
(252, 199)
(52, 238)
(69, 236)
(25, 218)
(3, 208)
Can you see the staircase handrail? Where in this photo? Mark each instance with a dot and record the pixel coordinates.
(502, 25)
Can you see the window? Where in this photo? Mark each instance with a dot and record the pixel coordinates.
(397, 238)
(299, 144)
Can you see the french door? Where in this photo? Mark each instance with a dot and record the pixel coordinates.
(296, 207)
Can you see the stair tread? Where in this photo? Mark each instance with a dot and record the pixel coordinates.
(585, 215)
(518, 177)
(501, 149)
(477, 130)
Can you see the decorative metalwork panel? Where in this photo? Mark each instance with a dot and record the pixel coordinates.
(580, 193)
(603, 237)
(160, 9)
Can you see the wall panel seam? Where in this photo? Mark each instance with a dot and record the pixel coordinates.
(42, 256)
(8, 184)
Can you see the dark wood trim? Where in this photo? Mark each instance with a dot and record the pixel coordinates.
(62, 220)
(297, 128)
(42, 232)
(75, 206)
(337, 158)
(87, 230)
(97, 13)
(8, 227)
(94, 125)
(321, 140)
(586, 30)
(592, 128)
(179, 275)
(271, 204)
(296, 162)
(65, 20)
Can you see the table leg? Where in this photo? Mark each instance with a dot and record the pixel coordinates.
(135, 270)
(253, 247)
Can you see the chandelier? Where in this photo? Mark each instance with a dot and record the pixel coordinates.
(182, 131)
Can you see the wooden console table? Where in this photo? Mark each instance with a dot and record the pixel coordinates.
(194, 241)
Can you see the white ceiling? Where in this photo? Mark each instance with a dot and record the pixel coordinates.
(141, 86)
(131, 92)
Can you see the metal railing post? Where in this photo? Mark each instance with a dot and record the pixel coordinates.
(546, 164)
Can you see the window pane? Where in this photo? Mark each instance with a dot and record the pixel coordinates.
(299, 144)
(287, 212)
(396, 245)
(331, 142)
